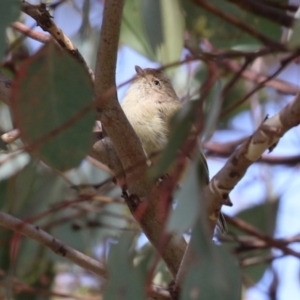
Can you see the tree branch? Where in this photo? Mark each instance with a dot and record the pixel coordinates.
(226, 149)
(265, 137)
(35, 233)
(45, 21)
(239, 24)
(216, 193)
(266, 11)
(270, 242)
(277, 84)
(126, 144)
(38, 36)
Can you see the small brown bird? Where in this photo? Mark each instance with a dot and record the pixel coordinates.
(149, 105)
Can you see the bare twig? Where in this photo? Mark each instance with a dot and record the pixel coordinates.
(38, 36)
(58, 247)
(22, 287)
(264, 237)
(239, 24)
(43, 18)
(223, 58)
(277, 84)
(264, 10)
(261, 84)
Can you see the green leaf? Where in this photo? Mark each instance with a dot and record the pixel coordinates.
(126, 280)
(9, 12)
(213, 107)
(294, 33)
(154, 28)
(254, 273)
(50, 89)
(32, 190)
(153, 22)
(262, 216)
(164, 26)
(181, 125)
(132, 30)
(32, 259)
(162, 275)
(203, 24)
(24, 195)
(188, 202)
(213, 273)
(215, 277)
(214, 102)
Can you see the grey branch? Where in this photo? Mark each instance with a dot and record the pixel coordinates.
(35, 233)
(125, 141)
(264, 138)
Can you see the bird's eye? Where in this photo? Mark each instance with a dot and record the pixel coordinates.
(156, 82)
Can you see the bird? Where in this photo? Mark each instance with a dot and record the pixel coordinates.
(149, 105)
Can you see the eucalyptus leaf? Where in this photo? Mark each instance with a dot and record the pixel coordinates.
(132, 30)
(126, 280)
(51, 89)
(32, 190)
(214, 105)
(154, 28)
(214, 277)
(9, 12)
(188, 202)
(262, 216)
(204, 24)
(181, 125)
(164, 26)
(214, 273)
(294, 33)
(255, 272)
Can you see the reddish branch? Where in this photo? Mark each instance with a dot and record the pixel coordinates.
(264, 10)
(283, 65)
(269, 242)
(239, 24)
(57, 246)
(277, 84)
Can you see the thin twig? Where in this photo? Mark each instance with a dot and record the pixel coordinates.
(264, 237)
(264, 10)
(58, 247)
(261, 84)
(43, 18)
(29, 32)
(239, 24)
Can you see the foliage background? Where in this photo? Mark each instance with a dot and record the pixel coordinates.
(153, 34)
